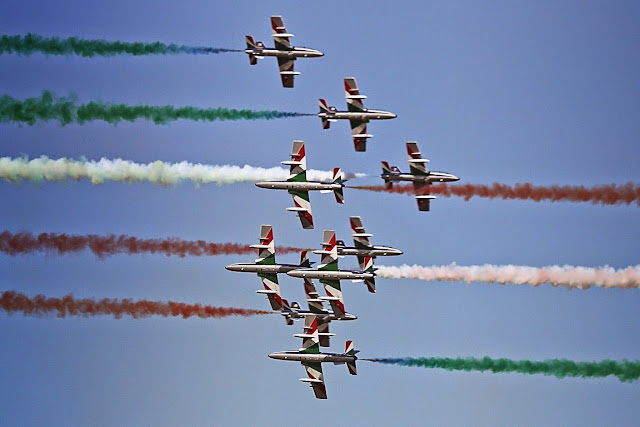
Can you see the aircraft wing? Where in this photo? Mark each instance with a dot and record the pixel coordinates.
(421, 191)
(286, 71)
(315, 378)
(271, 290)
(302, 207)
(334, 296)
(313, 298)
(417, 164)
(323, 332)
(298, 163)
(280, 35)
(360, 237)
(359, 134)
(352, 95)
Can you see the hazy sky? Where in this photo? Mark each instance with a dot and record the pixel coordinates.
(544, 92)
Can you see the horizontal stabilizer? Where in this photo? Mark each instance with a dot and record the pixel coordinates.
(265, 291)
(425, 197)
(419, 160)
(310, 380)
(297, 209)
(289, 73)
(356, 97)
(330, 298)
(282, 34)
(292, 163)
(326, 334)
(362, 135)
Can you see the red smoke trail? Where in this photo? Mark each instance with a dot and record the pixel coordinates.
(19, 243)
(40, 305)
(610, 194)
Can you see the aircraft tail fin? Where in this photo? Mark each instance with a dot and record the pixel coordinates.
(324, 108)
(337, 179)
(350, 350)
(304, 259)
(251, 45)
(386, 169)
(368, 268)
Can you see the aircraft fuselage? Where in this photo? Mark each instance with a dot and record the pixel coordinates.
(296, 52)
(328, 315)
(313, 357)
(300, 186)
(330, 275)
(363, 116)
(262, 268)
(430, 178)
(375, 251)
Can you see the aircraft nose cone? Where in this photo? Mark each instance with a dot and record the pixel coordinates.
(454, 178)
(262, 184)
(233, 267)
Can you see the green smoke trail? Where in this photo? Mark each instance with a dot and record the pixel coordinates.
(30, 43)
(625, 370)
(66, 110)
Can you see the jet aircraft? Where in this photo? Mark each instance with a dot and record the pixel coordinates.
(328, 272)
(267, 269)
(316, 308)
(357, 115)
(283, 50)
(311, 357)
(363, 248)
(298, 186)
(419, 175)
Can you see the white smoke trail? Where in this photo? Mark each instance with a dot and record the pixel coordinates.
(568, 276)
(46, 169)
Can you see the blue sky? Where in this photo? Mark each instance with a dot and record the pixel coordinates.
(543, 92)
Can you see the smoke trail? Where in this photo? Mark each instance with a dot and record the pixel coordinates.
(568, 276)
(21, 243)
(44, 168)
(30, 43)
(66, 110)
(625, 370)
(610, 194)
(12, 302)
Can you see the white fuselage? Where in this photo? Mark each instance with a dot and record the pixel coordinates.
(330, 275)
(262, 268)
(297, 52)
(328, 315)
(300, 186)
(427, 179)
(311, 357)
(375, 251)
(363, 116)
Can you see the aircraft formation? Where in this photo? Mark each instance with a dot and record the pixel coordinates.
(317, 317)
